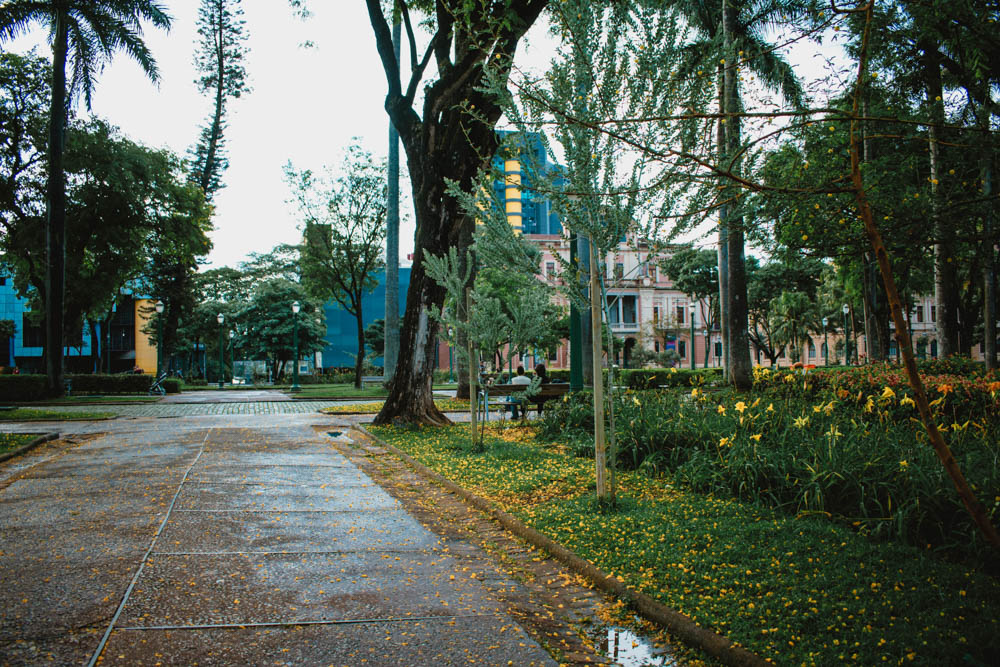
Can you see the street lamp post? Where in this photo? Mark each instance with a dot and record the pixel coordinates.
(220, 318)
(232, 352)
(451, 357)
(159, 338)
(847, 340)
(691, 343)
(826, 349)
(295, 344)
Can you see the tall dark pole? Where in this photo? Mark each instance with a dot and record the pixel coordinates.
(826, 348)
(222, 351)
(232, 352)
(575, 324)
(392, 240)
(295, 344)
(691, 351)
(159, 338)
(847, 339)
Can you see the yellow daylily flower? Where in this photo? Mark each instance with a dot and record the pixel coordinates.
(801, 422)
(755, 437)
(888, 393)
(721, 409)
(740, 407)
(906, 400)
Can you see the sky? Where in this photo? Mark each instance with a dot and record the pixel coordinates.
(306, 105)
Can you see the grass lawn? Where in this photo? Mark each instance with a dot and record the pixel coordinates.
(794, 590)
(315, 391)
(443, 404)
(11, 441)
(33, 414)
(105, 398)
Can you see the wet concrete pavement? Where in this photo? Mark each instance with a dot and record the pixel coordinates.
(231, 539)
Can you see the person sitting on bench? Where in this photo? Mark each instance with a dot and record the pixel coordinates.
(519, 379)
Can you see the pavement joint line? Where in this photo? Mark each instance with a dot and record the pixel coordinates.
(142, 564)
(292, 624)
(296, 553)
(353, 511)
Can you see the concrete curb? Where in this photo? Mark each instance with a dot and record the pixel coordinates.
(28, 447)
(676, 623)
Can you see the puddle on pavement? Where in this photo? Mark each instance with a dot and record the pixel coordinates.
(334, 434)
(627, 648)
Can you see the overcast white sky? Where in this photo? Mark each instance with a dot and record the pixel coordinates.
(305, 106)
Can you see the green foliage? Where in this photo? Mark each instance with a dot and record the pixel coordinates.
(269, 323)
(662, 378)
(12, 441)
(172, 385)
(22, 387)
(839, 447)
(795, 590)
(119, 383)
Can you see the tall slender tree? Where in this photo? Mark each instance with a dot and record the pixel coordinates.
(85, 34)
(219, 59)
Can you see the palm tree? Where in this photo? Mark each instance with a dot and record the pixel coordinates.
(734, 32)
(796, 318)
(85, 34)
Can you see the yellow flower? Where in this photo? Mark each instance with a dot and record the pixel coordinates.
(801, 422)
(818, 408)
(937, 401)
(945, 389)
(790, 378)
(755, 403)
(834, 432)
(755, 437)
(903, 464)
(673, 370)
(770, 407)
(723, 442)
(869, 405)
(888, 393)
(636, 401)
(740, 407)
(906, 400)
(828, 408)
(694, 393)
(721, 409)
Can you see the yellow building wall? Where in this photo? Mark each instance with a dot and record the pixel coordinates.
(512, 179)
(145, 350)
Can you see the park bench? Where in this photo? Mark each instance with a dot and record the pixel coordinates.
(546, 392)
(372, 379)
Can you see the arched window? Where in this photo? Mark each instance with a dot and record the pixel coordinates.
(812, 349)
(934, 349)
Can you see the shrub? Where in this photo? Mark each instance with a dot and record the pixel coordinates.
(122, 383)
(656, 378)
(172, 386)
(22, 387)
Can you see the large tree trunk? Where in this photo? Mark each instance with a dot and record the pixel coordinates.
(391, 353)
(55, 230)
(945, 266)
(446, 143)
(740, 370)
(723, 242)
(989, 252)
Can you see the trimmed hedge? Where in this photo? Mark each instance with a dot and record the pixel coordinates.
(172, 385)
(656, 378)
(123, 383)
(22, 387)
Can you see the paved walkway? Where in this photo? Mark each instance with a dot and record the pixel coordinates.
(238, 535)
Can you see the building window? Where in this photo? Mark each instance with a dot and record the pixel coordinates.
(652, 273)
(550, 269)
(33, 335)
(718, 350)
(933, 343)
(812, 350)
(656, 316)
(619, 270)
(680, 313)
(643, 270)
(622, 310)
(682, 348)
(920, 314)
(656, 346)
(934, 315)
